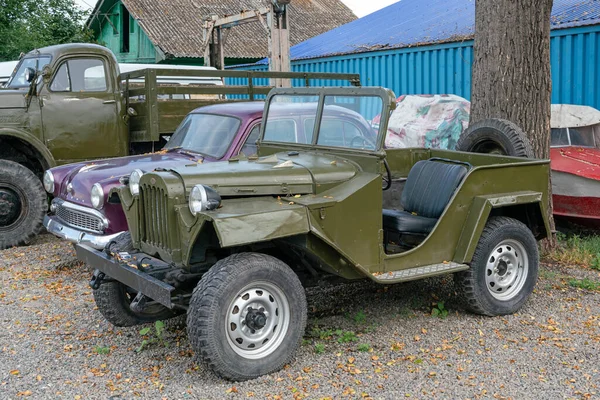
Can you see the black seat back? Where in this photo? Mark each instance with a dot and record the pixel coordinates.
(429, 187)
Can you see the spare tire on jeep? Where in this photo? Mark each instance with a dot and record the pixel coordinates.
(495, 136)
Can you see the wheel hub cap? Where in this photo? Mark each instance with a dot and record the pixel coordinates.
(506, 270)
(257, 320)
(10, 206)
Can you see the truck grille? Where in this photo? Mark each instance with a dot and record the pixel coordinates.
(79, 219)
(154, 216)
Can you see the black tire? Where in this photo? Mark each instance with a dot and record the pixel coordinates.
(113, 299)
(495, 136)
(230, 281)
(20, 222)
(479, 281)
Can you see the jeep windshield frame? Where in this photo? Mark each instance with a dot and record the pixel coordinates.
(320, 95)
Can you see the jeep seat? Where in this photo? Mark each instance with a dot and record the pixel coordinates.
(428, 190)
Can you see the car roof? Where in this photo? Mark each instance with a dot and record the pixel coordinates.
(241, 109)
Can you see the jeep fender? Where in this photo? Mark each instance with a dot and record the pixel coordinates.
(260, 220)
(525, 206)
(46, 157)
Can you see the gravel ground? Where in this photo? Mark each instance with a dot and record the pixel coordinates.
(54, 344)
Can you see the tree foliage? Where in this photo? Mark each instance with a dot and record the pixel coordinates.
(29, 24)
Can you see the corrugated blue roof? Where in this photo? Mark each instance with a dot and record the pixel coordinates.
(417, 22)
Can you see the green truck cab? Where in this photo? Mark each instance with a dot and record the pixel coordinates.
(233, 244)
(73, 102)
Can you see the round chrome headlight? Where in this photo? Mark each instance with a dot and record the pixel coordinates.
(134, 181)
(49, 181)
(97, 196)
(203, 198)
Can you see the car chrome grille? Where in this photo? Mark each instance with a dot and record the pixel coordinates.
(79, 219)
(154, 217)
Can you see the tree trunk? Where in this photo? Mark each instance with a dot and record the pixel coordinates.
(511, 69)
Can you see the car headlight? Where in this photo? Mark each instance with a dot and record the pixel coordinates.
(203, 198)
(134, 181)
(97, 196)
(49, 181)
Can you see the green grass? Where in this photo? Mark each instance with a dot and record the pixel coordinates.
(577, 250)
(585, 283)
(319, 348)
(364, 347)
(102, 350)
(346, 337)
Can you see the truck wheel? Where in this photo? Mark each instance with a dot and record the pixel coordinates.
(23, 204)
(247, 316)
(504, 268)
(113, 300)
(495, 136)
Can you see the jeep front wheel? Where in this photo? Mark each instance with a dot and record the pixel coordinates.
(23, 204)
(247, 316)
(503, 270)
(113, 300)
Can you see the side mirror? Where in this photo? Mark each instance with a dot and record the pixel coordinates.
(29, 74)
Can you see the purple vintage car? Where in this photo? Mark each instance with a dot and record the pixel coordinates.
(83, 212)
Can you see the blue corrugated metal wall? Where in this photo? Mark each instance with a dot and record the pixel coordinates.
(446, 68)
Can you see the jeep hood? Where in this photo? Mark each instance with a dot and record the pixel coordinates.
(279, 174)
(12, 98)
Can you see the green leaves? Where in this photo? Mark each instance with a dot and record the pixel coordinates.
(28, 24)
(439, 310)
(150, 337)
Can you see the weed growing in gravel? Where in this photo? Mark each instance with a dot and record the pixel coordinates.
(319, 348)
(360, 317)
(346, 336)
(364, 347)
(102, 350)
(585, 283)
(439, 310)
(575, 249)
(152, 337)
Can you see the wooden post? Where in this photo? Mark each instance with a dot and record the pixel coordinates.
(279, 46)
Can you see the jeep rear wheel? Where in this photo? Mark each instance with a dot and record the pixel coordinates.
(247, 316)
(23, 204)
(503, 270)
(113, 300)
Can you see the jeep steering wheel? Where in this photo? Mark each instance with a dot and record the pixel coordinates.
(388, 178)
(364, 141)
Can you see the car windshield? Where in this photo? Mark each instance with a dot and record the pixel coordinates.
(18, 79)
(207, 134)
(346, 120)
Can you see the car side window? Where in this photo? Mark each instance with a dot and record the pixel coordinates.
(80, 75)
(61, 81)
(249, 148)
(281, 130)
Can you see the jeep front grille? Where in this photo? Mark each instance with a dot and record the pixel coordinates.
(154, 217)
(79, 218)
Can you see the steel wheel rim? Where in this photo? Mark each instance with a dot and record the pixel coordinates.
(506, 270)
(244, 313)
(7, 192)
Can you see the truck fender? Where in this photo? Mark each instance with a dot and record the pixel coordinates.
(46, 157)
(481, 209)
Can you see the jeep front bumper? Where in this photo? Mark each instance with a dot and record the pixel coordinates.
(128, 275)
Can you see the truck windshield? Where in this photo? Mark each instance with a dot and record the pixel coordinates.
(18, 79)
(207, 134)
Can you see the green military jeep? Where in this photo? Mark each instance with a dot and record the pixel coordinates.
(234, 243)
